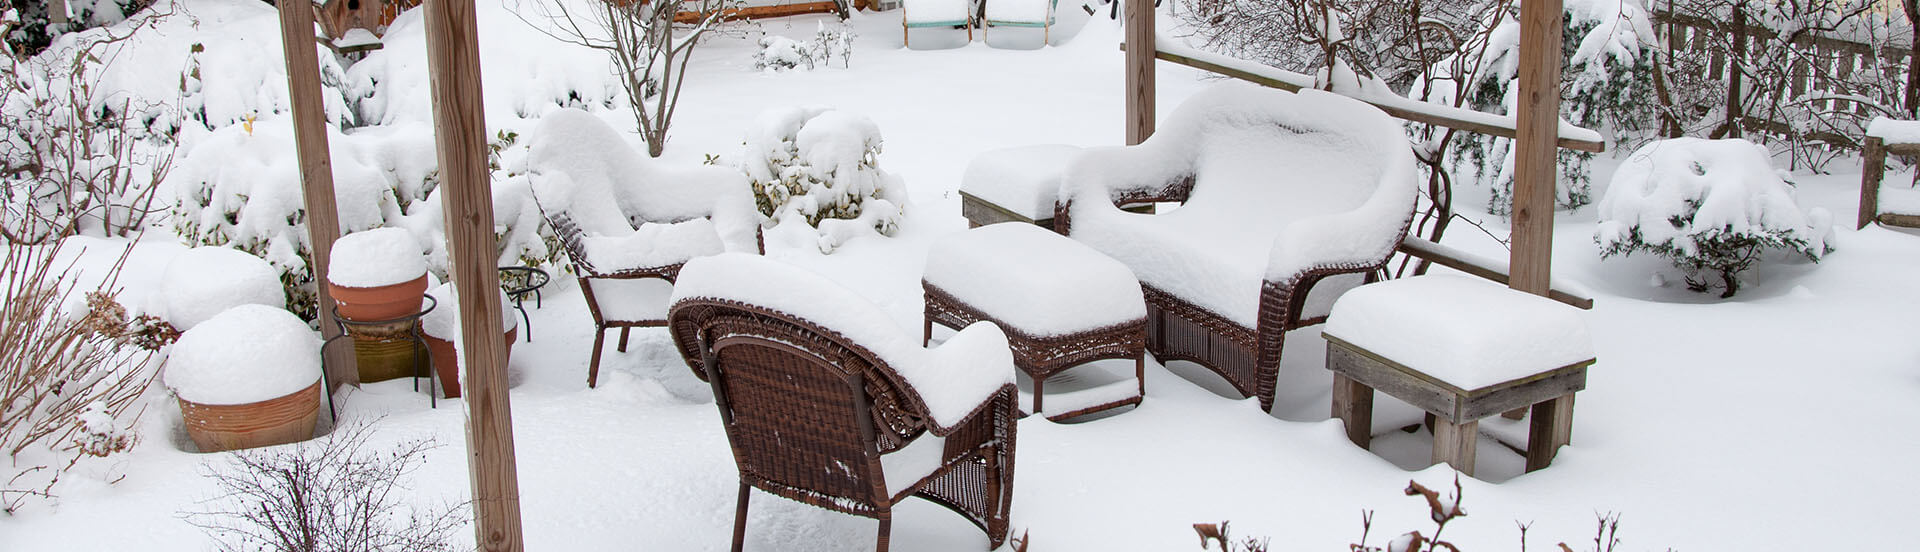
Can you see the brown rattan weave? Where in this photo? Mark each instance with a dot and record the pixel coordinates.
(1042, 357)
(809, 414)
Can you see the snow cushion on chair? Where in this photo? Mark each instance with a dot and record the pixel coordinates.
(632, 299)
(654, 245)
(1467, 332)
(1025, 179)
(1031, 12)
(1041, 283)
(1282, 182)
(952, 380)
(934, 12)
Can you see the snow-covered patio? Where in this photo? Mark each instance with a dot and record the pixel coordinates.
(1774, 421)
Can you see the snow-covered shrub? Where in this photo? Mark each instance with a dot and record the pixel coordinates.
(72, 363)
(36, 26)
(336, 493)
(1606, 81)
(779, 53)
(1712, 206)
(821, 167)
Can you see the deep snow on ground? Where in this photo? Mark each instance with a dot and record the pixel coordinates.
(1768, 422)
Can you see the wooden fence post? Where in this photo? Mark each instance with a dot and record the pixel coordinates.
(453, 58)
(1873, 167)
(316, 172)
(1140, 56)
(1535, 155)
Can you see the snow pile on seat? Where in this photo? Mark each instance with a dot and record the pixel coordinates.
(1019, 11)
(1036, 281)
(654, 245)
(377, 257)
(951, 379)
(204, 281)
(1025, 179)
(918, 12)
(582, 166)
(249, 353)
(1467, 332)
(1284, 182)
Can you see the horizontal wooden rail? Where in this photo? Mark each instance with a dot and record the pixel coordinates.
(1401, 109)
(1479, 266)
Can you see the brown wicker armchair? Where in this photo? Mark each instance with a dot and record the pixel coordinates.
(826, 412)
(628, 223)
(1288, 200)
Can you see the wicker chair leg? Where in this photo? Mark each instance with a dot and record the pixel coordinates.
(623, 339)
(593, 366)
(740, 518)
(886, 527)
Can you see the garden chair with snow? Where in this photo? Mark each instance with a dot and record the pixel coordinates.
(827, 401)
(1288, 200)
(1021, 13)
(627, 223)
(918, 14)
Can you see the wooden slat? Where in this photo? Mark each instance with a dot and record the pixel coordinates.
(1424, 249)
(1535, 164)
(1140, 76)
(316, 173)
(1576, 144)
(1903, 221)
(1873, 167)
(453, 57)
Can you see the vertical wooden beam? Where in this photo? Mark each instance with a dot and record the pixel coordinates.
(1535, 149)
(1873, 167)
(316, 171)
(453, 58)
(1140, 56)
(1551, 429)
(1456, 444)
(1353, 405)
(57, 12)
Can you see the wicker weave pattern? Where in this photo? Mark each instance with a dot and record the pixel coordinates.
(809, 415)
(1042, 357)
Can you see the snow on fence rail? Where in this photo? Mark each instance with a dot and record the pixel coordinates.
(1885, 136)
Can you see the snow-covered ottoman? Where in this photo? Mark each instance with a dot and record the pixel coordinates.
(1462, 349)
(1060, 303)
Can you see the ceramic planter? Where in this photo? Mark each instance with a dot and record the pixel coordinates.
(446, 362)
(278, 421)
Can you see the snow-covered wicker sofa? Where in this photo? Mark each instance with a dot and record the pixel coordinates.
(827, 401)
(1287, 200)
(628, 223)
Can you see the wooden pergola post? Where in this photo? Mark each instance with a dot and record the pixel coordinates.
(1537, 131)
(460, 130)
(1140, 76)
(316, 171)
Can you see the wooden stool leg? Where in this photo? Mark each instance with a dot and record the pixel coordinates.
(1353, 405)
(1552, 427)
(1455, 443)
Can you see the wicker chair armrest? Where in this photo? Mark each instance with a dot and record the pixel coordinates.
(1121, 176)
(967, 371)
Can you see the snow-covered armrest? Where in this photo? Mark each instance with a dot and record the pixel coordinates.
(1122, 175)
(957, 378)
(1355, 239)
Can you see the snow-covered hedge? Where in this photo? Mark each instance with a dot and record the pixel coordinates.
(821, 167)
(1712, 206)
(778, 53)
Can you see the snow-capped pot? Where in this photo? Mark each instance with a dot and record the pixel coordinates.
(205, 281)
(442, 329)
(248, 377)
(377, 274)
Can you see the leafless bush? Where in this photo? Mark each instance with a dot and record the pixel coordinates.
(75, 157)
(334, 494)
(68, 377)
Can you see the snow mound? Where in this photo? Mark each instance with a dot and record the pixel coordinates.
(654, 245)
(249, 353)
(580, 165)
(444, 321)
(951, 379)
(202, 282)
(1014, 271)
(1678, 193)
(377, 257)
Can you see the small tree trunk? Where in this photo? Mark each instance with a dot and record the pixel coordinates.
(1733, 283)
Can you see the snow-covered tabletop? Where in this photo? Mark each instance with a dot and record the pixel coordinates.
(249, 353)
(1038, 282)
(1467, 332)
(952, 379)
(1024, 179)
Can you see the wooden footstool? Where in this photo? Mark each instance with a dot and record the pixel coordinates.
(1060, 303)
(1462, 349)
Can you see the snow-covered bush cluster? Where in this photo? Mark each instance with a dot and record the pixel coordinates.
(821, 167)
(1714, 207)
(779, 53)
(1606, 81)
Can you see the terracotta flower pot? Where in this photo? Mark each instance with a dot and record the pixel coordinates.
(379, 303)
(286, 419)
(446, 362)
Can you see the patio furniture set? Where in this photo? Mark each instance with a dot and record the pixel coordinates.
(1285, 202)
(923, 14)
